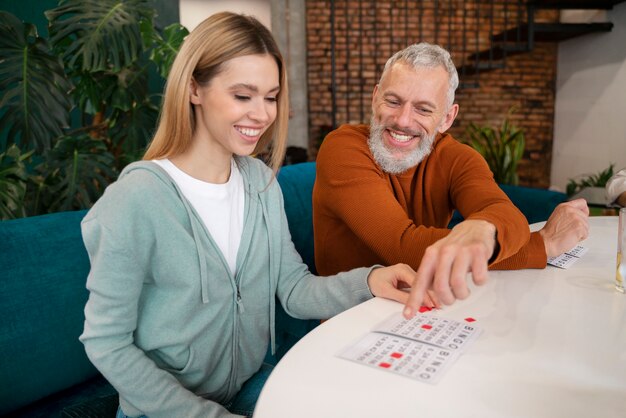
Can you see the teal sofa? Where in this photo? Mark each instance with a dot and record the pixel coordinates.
(44, 371)
(42, 296)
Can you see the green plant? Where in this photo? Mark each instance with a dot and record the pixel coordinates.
(589, 180)
(77, 105)
(502, 148)
(13, 179)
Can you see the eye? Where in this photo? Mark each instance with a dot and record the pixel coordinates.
(392, 102)
(242, 98)
(272, 99)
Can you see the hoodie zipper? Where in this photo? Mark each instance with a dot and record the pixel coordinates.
(240, 307)
(238, 311)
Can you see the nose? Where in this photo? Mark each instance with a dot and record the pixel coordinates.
(261, 111)
(404, 117)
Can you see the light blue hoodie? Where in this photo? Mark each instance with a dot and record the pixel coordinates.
(166, 322)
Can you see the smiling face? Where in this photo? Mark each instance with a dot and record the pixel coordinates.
(409, 108)
(236, 107)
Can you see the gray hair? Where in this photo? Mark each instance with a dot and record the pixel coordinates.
(427, 55)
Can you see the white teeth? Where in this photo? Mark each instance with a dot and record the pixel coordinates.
(249, 131)
(400, 138)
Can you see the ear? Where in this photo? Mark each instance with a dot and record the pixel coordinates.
(194, 97)
(374, 97)
(449, 118)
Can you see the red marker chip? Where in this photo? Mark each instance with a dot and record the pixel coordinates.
(469, 319)
(423, 309)
(426, 326)
(396, 355)
(384, 365)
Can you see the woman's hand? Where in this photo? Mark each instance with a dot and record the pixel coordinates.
(389, 282)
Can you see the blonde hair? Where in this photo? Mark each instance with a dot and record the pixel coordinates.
(219, 38)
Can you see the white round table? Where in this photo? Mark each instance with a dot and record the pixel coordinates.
(553, 345)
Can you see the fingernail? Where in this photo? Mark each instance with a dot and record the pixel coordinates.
(408, 312)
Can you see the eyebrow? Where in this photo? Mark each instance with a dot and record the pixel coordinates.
(251, 87)
(417, 103)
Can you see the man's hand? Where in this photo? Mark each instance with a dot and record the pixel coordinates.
(445, 264)
(567, 225)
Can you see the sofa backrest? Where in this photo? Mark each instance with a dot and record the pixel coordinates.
(42, 296)
(535, 204)
(296, 182)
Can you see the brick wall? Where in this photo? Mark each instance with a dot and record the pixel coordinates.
(367, 33)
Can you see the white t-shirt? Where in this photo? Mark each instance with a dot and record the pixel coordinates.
(220, 207)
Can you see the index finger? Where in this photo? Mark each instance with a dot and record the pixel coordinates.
(424, 278)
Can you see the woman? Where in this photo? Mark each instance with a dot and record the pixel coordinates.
(189, 247)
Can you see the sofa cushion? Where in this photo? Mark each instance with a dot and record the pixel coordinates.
(42, 297)
(94, 398)
(99, 407)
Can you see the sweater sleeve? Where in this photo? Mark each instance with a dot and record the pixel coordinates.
(476, 195)
(354, 205)
(115, 281)
(532, 255)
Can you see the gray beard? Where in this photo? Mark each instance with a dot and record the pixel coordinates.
(385, 158)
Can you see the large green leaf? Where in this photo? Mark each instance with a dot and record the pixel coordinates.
(93, 90)
(33, 87)
(131, 87)
(133, 130)
(98, 35)
(165, 47)
(78, 170)
(13, 179)
(105, 91)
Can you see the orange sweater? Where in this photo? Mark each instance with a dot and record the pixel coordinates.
(363, 216)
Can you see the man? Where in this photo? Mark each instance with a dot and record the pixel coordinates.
(385, 193)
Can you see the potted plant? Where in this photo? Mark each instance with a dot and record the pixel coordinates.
(76, 106)
(592, 188)
(501, 147)
(597, 180)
